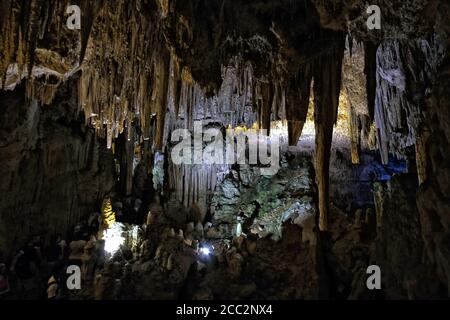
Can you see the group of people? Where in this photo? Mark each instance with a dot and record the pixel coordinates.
(38, 270)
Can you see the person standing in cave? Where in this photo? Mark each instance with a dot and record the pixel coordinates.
(56, 251)
(100, 257)
(53, 292)
(94, 223)
(76, 251)
(89, 259)
(77, 232)
(85, 230)
(25, 267)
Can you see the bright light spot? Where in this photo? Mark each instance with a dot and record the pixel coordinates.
(114, 238)
(205, 251)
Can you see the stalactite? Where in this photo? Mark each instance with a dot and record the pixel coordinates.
(33, 31)
(177, 85)
(327, 88)
(390, 96)
(370, 69)
(89, 10)
(297, 102)
(355, 80)
(354, 131)
(400, 96)
(266, 100)
(195, 184)
(161, 84)
(21, 27)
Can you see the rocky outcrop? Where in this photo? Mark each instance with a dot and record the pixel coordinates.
(348, 249)
(400, 246)
(261, 205)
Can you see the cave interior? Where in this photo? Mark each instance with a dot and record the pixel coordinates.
(222, 150)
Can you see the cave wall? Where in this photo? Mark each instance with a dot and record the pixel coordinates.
(55, 170)
(400, 246)
(433, 200)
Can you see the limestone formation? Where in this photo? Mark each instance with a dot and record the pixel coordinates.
(90, 116)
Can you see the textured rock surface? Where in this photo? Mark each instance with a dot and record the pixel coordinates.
(266, 203)
(55, 170)
(433, 198)
(74, 101)
(400, 247)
